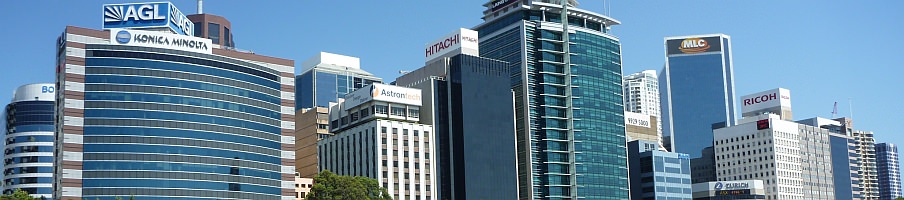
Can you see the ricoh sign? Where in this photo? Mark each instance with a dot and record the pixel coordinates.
(462, 41)
(160, 40)
(147, 15)
(778, 97)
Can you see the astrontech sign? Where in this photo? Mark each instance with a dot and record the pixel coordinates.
(693, 45)
(385, 93)
(160, 40)
(147, 15)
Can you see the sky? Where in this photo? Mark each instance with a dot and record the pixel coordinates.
(824, 52)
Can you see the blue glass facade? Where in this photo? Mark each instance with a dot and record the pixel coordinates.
(28, 163)
(658, 175)
(318, 87)
(842, 161)
(164, 124)
(697, 92)
(889, 171)
(474, 117)
(570, 134)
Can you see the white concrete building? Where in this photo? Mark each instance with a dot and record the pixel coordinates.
(377, 135)
(793, 160)
(642, 96)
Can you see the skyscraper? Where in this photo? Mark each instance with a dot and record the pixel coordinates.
(158, 115)
(889, 171)
(697, 86)
(28, 156)
(642, 94)
(793, 160)
(469, 102)
(327, 77)
(568, 109)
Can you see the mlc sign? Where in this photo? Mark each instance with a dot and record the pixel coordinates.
(147, 15)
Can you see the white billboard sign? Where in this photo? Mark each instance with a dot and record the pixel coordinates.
(637, 119)
(779, 97)
(454, 42)
(382, 92)
(160, 40)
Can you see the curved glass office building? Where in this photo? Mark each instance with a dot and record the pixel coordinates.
(171, 123)
(28, 154)
(569, 107)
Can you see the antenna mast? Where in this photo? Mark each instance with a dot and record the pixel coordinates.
(835, 110)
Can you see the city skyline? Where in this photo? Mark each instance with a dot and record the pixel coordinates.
(800, 44)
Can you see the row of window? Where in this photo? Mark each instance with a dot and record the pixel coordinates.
(181, 125)
(177, 167)
(131, 64)
(91, 139)
(180, 150)
(184, 117)
(183, 59)
(162, 91)
(180, 158)
(168, 99)
(179, 75)
(182, 84)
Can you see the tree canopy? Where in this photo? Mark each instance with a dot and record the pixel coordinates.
(329, 186)
(19, 194)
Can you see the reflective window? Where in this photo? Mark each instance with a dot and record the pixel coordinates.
(213, 32)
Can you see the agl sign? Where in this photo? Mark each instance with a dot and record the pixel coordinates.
(147, 15)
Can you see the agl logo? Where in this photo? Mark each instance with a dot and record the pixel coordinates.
(114, 13)
(694, 45)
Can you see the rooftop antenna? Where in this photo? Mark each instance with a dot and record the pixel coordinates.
(835, 110)
(851, 107)
(200, 6)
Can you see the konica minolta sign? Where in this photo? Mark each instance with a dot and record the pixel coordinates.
(147, 15)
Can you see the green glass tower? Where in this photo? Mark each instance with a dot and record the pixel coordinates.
(568, 109)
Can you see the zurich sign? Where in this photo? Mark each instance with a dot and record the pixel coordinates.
(147, 15)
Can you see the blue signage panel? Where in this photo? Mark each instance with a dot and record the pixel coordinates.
(147, 15)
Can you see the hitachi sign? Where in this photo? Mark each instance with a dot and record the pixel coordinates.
(462, 41)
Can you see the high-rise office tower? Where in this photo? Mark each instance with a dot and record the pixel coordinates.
(642, 96)
(568, 98)
(865, 146)
(378, 135)
(793, 160)
(888, 170)
(697, 86)
(28, 155)
(162, 114)
(327, 77)
(468, 101)
(845, 158)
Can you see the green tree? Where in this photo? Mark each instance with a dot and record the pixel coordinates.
(329, 186)
(899, 198)
(19, 194)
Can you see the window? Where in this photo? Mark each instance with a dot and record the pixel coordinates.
(398, 111)
(413, 112)
(213, 32)
(226, 41)
(380, 109)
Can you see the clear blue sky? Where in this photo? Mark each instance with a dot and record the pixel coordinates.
(822, 51)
